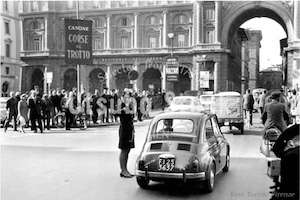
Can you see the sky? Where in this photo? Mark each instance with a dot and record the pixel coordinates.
(272, 33)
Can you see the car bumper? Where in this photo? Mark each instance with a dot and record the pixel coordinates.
(162, 175)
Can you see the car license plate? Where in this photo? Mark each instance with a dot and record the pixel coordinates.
(226, 123)
(166, 164)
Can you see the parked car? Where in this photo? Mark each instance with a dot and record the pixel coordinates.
(186, 103)
(184, 147)
(3, 111)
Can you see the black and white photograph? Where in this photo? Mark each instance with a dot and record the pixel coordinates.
(149, 99)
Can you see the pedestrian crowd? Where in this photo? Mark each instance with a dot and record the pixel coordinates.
(40, 111)
(257, 102)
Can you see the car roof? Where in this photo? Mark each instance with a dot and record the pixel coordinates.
(185, 97)
(228, 94)
(181, 114)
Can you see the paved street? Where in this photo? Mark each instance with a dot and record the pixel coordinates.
(83, 165)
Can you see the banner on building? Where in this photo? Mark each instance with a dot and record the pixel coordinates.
(172, 69)
(204, 79)
(78, 42)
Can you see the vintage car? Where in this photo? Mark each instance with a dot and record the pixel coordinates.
(185, 103)
(184, 147)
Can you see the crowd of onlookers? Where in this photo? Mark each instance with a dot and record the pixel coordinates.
(39, 111)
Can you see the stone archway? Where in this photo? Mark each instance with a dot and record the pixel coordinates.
(97, 80)
(234, 15)
(37, 78)
(241, 12)
(152, 77)
(70, 79)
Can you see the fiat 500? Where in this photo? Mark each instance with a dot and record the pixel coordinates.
(183, 146)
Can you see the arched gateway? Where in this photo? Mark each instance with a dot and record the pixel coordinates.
(234, 14)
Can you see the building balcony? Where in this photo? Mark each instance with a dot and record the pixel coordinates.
(35, 53)
(113, 52)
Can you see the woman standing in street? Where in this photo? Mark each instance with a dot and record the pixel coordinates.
(126, 134)
(69, 106)
(23, 112)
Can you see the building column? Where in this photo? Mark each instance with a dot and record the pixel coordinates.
(165, 29)
(216, 77)
(217, 21)
(160, 37)
(136, 30)
(107, 75)
(105, 39)
(296, 52)
(132, 38)
(108, 31)
(201, 22)
(190, 36)
(198, 69)
(45, 78)
(296, 21)
(46, 34)
(163, 78)
(192, 77)
(22, 36)
(197, 24)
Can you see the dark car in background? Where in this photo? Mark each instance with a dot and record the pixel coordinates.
(184, 147)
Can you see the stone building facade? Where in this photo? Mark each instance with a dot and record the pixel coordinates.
(133, 35)
(10, 48)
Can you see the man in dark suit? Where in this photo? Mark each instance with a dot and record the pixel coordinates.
(275, 114)
(287, 148)
(248, 102)
(12, 111)
(95, 106)
(35, 106)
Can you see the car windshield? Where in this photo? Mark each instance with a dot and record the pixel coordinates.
(182, 101)
(206, 98)
(174, 129)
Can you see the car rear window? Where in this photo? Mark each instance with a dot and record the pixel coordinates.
(182, 101)
(174, 129)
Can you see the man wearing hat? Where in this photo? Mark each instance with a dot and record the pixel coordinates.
(275, 114)
(286, 147)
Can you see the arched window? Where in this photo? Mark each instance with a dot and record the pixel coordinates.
(124, 21)
(98, 42)
(97, 23)
(35, 25)
(153, 20)
(36, 36)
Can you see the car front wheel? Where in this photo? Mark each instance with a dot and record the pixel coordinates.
(209, 183)
(142, 182)
(226, 167)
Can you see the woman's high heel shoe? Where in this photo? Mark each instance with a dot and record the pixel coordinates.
(125, 175)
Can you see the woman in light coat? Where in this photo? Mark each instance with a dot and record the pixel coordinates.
(23, 112)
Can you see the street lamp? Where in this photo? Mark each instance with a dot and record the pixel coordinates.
(171, 36)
